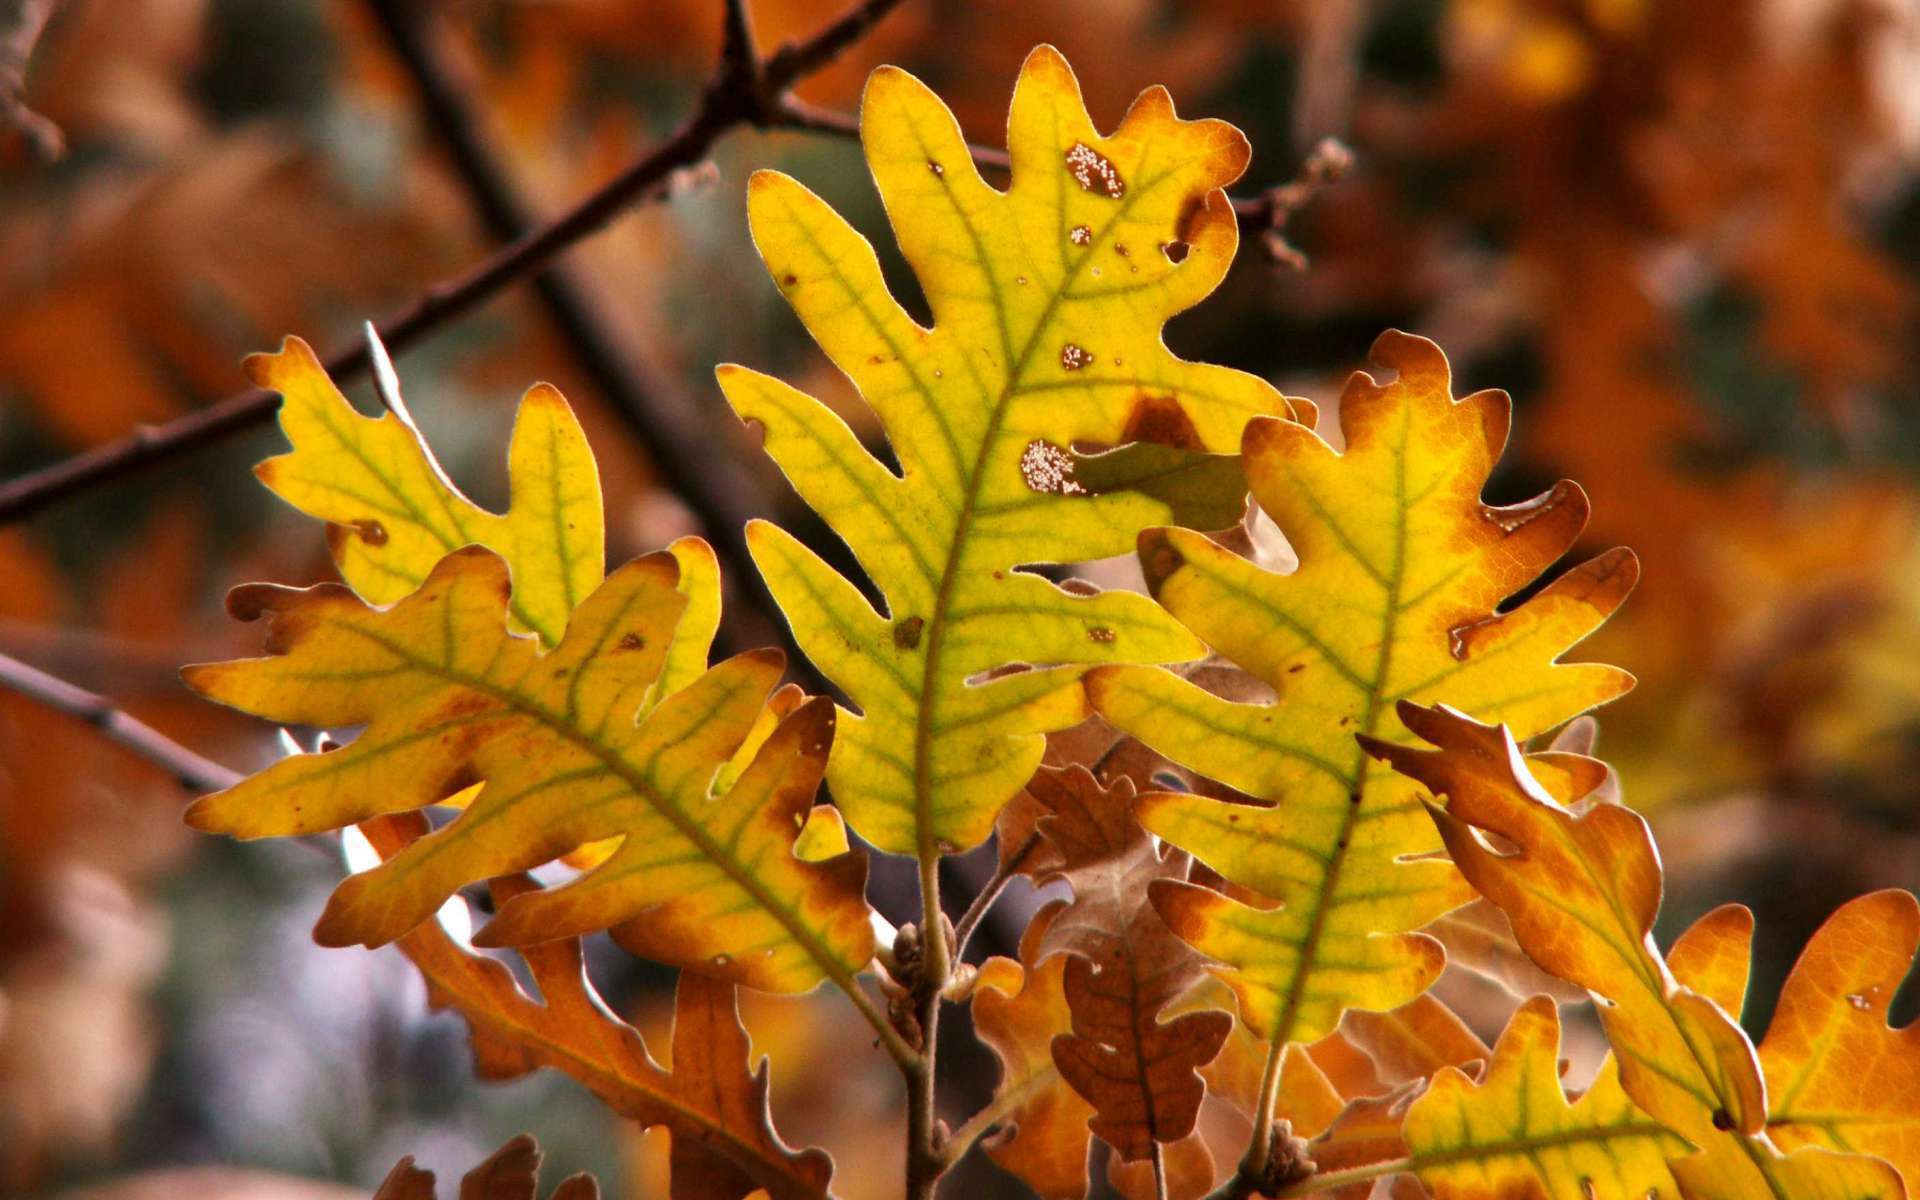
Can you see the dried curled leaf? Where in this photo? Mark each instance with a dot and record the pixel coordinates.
(1514, 1134)
(394, 513)
(1402, 567)
(1048, 301)
(724, 1146)
(1582, 887)
(510, 1173)
(452, 701)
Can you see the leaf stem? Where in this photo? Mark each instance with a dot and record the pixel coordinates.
(889, 1036)
(926, 1161)
(977, 911)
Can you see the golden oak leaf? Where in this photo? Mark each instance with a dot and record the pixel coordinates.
(1047, 301)
(1019, 1007)
(510, 1173)
(393, 512)
(452, 700)
(1582, 889)
(724, 1146)
(1402, 567)
(1838, 1077)
(1514, 1133)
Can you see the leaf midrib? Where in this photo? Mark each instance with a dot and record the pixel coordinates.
(949, 574)
(619, 768)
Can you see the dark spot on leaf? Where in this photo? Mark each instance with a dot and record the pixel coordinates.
(789, 280)
(936, 168)
(1100, 633)
(1176, 251)
(1072, 357)
(372, 532)
(906, 633)
(1161, 420)
(1722, 1120)
(1080, 235)
(632, 641)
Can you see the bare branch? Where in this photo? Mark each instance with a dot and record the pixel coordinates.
(192, 770)
(721, 110)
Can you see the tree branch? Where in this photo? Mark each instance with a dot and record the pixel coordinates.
(190, 769)
(726, 104)
(717, 490)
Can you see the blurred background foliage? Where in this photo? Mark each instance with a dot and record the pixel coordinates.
(1685, 236)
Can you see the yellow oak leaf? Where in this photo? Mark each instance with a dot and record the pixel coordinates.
(393, 512)
(453, 701)
(1582, 887)
(715, 1107)
(1838, 1077)
(1401, 569)
(1047, 301)
(1514, 1134)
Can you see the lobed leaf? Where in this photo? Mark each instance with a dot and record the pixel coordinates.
(724, 1146)
(1402, 569)
(1048, 301)
(394, 513)
(1837, 1076)
(1582, 887)
(510, 1173)
(546, 753)
(1514, 1133)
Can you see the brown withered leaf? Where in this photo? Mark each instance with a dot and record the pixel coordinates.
(510, 1173)
(1141, 1074)
(724, 1144)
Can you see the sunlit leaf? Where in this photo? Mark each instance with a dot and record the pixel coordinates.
(451, 699)
(1582, 887)
(1402, 567)
(1047, 302)
(394, 513)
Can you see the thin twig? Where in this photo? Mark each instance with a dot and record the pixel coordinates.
(190, 769)
(725, 105)
(1269, 211)
(25, 22)
(977, 911)
(1159, 1171)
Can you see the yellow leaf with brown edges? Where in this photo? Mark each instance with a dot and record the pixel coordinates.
(1582, 886)
(1514, 1133)
(393, 513)
(1402, 569)
(554, 742)
(1048, 300)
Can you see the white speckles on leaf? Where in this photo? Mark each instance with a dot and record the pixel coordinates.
(1048, 468)
(1093, 172)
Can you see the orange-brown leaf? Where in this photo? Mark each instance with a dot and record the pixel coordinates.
(724, 1145)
